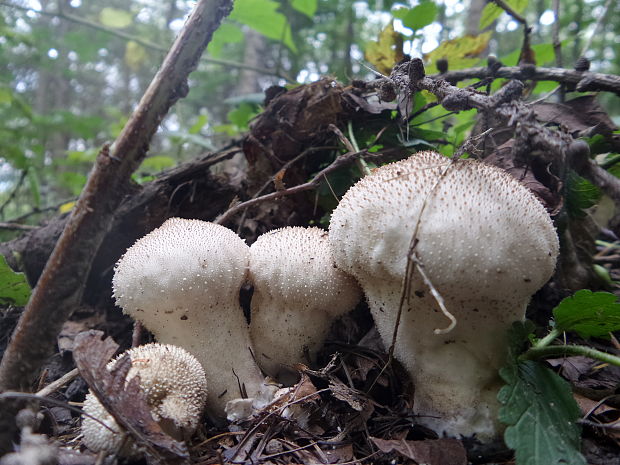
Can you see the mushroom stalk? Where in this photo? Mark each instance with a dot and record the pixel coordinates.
(298, 293)
(182, 281)
(482, 240)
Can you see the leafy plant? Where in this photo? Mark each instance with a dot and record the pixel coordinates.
(14, 289)
(538, 406)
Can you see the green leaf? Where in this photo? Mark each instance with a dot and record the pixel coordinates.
(459, 52)
(491, 11)
(400, 13)
(157, 163)
(541, 415)
(225, 34)
(307, 7)
(543, 87)
(74, 182)
(580, 195)
(199, 124)
(34, 183)
(76, 157)
(489, 14)
(518, 336)
(115, 18)
(179, 137)
(261, 15)
(544, 53)
(14, 289)
(420, 16)
(228, 129)
(384, 53)
(6, 96)
(135, 55)
(241, 115)
(590, 314)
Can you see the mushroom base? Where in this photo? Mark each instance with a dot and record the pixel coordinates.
(223, 351)
(455, 374)
(279, 344)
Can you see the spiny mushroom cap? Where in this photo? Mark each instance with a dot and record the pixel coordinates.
(486, 244)
(295, 265)
(480, 232)
(298, 291)
(175, 388)
(182, 281)
(178, 268)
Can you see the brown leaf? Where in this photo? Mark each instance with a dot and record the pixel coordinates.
(278, 180)
(430, 452)
(355, 399)
(125, 402)
(386, 51)
(72, 328)
(339, 454)
(546, 189)
(581, 116)
(591, 407)
(374, 107)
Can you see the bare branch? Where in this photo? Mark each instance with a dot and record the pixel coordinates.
(577, 80)
(516, 16)
(17, 226)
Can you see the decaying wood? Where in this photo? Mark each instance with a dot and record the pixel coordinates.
(60, 287)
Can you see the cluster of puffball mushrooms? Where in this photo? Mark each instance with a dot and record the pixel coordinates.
(482, 244)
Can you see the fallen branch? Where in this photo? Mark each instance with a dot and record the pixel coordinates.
(59, 289)
(580, 81)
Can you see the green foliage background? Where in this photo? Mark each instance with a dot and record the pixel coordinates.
(72, 70)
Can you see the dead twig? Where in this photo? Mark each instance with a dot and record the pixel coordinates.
(282, 170)
(60, 382)
(342, 160)
(17, 226)
(516, 16)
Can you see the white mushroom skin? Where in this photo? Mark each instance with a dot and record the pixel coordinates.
(175, 388)
(182, 282)
(298, 293)
(486, 244)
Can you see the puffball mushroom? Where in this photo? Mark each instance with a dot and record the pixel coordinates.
(182, 281)
(175, 388)
(485, 243)
(298, 293)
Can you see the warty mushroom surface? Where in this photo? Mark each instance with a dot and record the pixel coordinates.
(175, 388)
(298, 293)
(182, 281)
(484, 242)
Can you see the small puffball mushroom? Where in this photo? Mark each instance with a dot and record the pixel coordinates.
(485, 243)
(175, 388)
(182, 281)
(298, 292)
